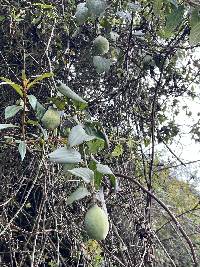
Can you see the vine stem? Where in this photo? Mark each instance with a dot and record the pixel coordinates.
(24, 110)
(173, 217)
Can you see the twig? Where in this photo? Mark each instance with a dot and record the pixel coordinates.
(162, 246)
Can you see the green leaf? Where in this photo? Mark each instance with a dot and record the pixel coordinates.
(78, 135)
(2, 18)
(40, 110)
(33, 101)
(32, 122)
(10, 111)
(43, 6)
(37, 107)
(78, 194)
(94, 128)
(97, 179)
(18, 88)
(80, 105)
(5, 126)
(60, 102)
(65, 155)
(194, 37)
(22, 149)
(173, 20)
(68, 166)
(104, 169)
(118, 151)
(65, 90)
(195, 17)
(85, 173)
(40, 78)
(96, 145)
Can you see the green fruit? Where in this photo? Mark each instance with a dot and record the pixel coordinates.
(101, 45)
(81, 14)
(101, 64)
(95, 7)
(51, 119)
(96, 223)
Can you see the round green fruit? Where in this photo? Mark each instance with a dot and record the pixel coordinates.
(51, 119)
(81, 14)
(101, 45)
(96, 223)
(96, 7)
(101, 64)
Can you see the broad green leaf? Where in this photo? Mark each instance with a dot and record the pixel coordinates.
(86, 174)
(92, 165)
(40, 78)
(78, 194)
(118, 150)
(68, 166)
(97, 179)
(195, 17)
(22, 149)
(173, 20)
(104, 169)
(65, 155)
(5, 126)
(194, 37)
(94, 128)
(60, 102)
(96, 145)
(33, 101)
(10, 111)
(65, 90)
(37, 107)
(40, 110)
(78, 135)
(18, 88)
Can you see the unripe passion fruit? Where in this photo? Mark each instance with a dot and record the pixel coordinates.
(51, 119)
(81, 14)
(95, 7)
(101, 45)
(96, 223)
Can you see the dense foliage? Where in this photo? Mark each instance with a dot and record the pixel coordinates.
(88, 90)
